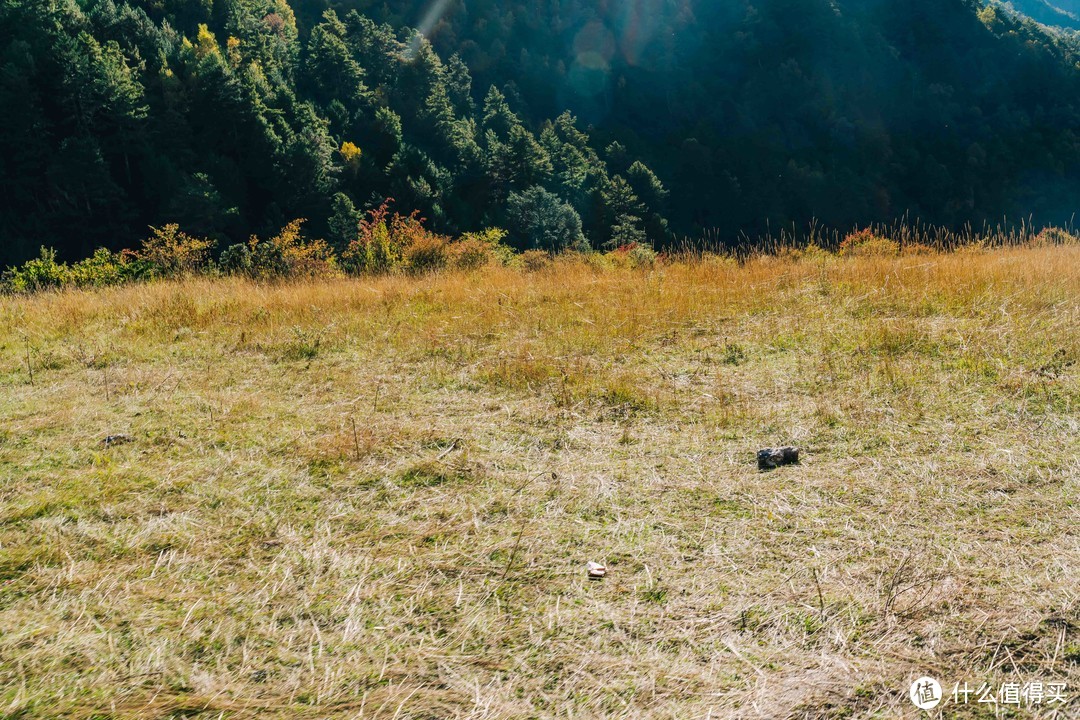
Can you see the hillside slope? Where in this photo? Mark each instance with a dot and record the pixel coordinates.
(376, 498)
(1056, 13)
(792, 109)
(233, 117)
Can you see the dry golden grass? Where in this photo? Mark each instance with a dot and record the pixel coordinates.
(376, 498)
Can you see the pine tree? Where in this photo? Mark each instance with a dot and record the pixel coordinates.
(343, 223)
(330, 69)
(540, 220)
(624, 210)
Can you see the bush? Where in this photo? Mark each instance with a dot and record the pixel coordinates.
(642, 256)
(236, 260)
(1056, 236)
(290, 255)
(476, 250)
(267, 260)
(470, 254)
(916, 248)
(866, 242)
(388, 242)
(597, 262)
(105, 268)
(633, 256)
(426, 252)
(41, 273)
(534, 260)
(101, 269)
(809, 252)
(172, 252)
(372, 250)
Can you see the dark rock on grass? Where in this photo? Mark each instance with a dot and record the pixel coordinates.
(772, 458)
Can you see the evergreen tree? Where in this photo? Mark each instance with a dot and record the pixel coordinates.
(331, 71)
(540, 220)
(653, 196)
(624, 210)
(344, 221)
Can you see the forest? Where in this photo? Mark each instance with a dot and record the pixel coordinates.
(1055, 13)
(568, 124)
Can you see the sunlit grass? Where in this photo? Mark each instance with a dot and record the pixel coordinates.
(376, 498)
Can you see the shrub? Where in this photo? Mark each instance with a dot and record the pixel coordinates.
(534, 260)
(633, 256)
(426, 252)
(868, 243)
(388, 241)
(598, 262)
(371, 251)
(289, 254)
(172, 252)
(718, 261)
(236, 260)
(916, 248)
(1056, 236)
(101, 269)
(477, 250)
(41, 273)
(105, 268)
(470, 254)
(304, 258)
(540, 220)
(267, 260)
(813, 251)
(642, 256)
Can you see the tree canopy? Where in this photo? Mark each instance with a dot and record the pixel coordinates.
(638, 121)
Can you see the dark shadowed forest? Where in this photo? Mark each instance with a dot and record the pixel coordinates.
(567, 123)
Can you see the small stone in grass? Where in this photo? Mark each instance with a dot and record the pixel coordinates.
(772, 458)
(597, 571)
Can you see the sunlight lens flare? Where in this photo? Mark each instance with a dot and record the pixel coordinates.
(435, 12)
(623, 35)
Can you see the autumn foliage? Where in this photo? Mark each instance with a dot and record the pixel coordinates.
(290, 255)
(868, 242)
(173, 252)
(389, 241)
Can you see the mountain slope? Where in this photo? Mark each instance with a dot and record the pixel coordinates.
(221, 118)
(233, 117)
(1057, 13)
(792, 109)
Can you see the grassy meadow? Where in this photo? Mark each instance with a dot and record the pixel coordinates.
(375, 498)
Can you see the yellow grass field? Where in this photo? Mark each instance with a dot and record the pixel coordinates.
(376, 498)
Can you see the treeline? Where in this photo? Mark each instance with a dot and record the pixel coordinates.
(388, 242)
(385, 242)
(220, 117)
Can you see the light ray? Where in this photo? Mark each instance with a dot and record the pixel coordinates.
(434, 14)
